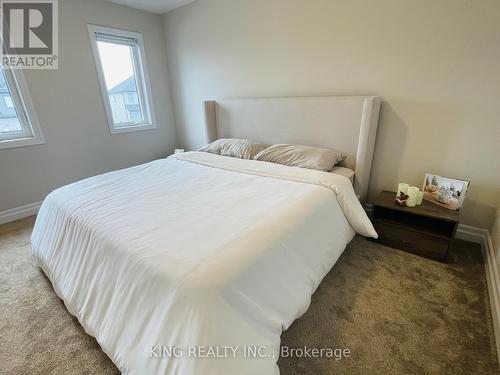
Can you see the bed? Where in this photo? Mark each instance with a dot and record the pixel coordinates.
(196, 263)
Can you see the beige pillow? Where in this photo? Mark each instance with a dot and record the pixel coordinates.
(302, 156)
(236, 148)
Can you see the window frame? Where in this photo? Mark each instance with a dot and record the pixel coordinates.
(141, 76)
(25, 111)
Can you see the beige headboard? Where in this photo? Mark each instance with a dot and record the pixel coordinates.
(344, 123)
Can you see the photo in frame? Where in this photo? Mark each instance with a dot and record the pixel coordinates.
(445, 192)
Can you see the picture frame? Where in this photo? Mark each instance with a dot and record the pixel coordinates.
(444, 191)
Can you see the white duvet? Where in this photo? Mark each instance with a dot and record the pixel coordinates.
(196, 263)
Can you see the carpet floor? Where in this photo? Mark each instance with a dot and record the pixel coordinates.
(396, 313)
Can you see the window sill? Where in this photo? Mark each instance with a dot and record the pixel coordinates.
(132, 128)
(21, 142)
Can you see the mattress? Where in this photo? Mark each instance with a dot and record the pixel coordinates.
(163, 261)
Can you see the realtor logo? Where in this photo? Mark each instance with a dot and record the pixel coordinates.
(29, 34)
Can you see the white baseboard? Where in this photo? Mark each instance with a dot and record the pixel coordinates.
(482, 237)
(21, 212)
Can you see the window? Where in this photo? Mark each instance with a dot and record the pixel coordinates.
(122, 73)
(132, 98)
(8, 101)
(18, 122)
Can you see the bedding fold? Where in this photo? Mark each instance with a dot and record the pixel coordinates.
(340, 185)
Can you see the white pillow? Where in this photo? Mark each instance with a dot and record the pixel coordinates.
(236, 148)
(302, 156)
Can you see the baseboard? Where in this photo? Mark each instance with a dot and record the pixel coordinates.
(482, 237)
(21, 212)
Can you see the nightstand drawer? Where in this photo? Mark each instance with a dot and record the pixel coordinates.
(416, 242)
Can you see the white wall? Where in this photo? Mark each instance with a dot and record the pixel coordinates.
(435, 64)
(70, 109)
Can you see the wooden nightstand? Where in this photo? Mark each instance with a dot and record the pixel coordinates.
(426, 230)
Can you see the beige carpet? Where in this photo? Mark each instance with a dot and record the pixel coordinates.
(397, 314)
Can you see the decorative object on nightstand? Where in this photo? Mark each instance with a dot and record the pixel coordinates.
(427, 230)
(402, 188)
(420, 198)
(412, 196)
(401, 198)
(408, 195)
(445, 192)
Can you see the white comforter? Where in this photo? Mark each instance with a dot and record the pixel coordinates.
(194, 253)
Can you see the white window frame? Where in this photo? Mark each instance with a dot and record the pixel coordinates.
(142, 79)
(31, 134)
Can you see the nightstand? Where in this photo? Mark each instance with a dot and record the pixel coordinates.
(427, 230)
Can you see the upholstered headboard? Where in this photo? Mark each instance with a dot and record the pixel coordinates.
(344, 123)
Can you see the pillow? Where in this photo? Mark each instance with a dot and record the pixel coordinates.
(346, 172)
(301, 156)
(236, 148)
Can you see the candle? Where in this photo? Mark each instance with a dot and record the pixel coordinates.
(420, 197)
(402, 188)
(413, 196)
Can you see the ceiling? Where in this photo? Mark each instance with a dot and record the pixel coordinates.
(153, 6)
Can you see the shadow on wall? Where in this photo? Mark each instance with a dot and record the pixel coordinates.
(478, 212)
(396, 160)
(392, 134)
(434, 148)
